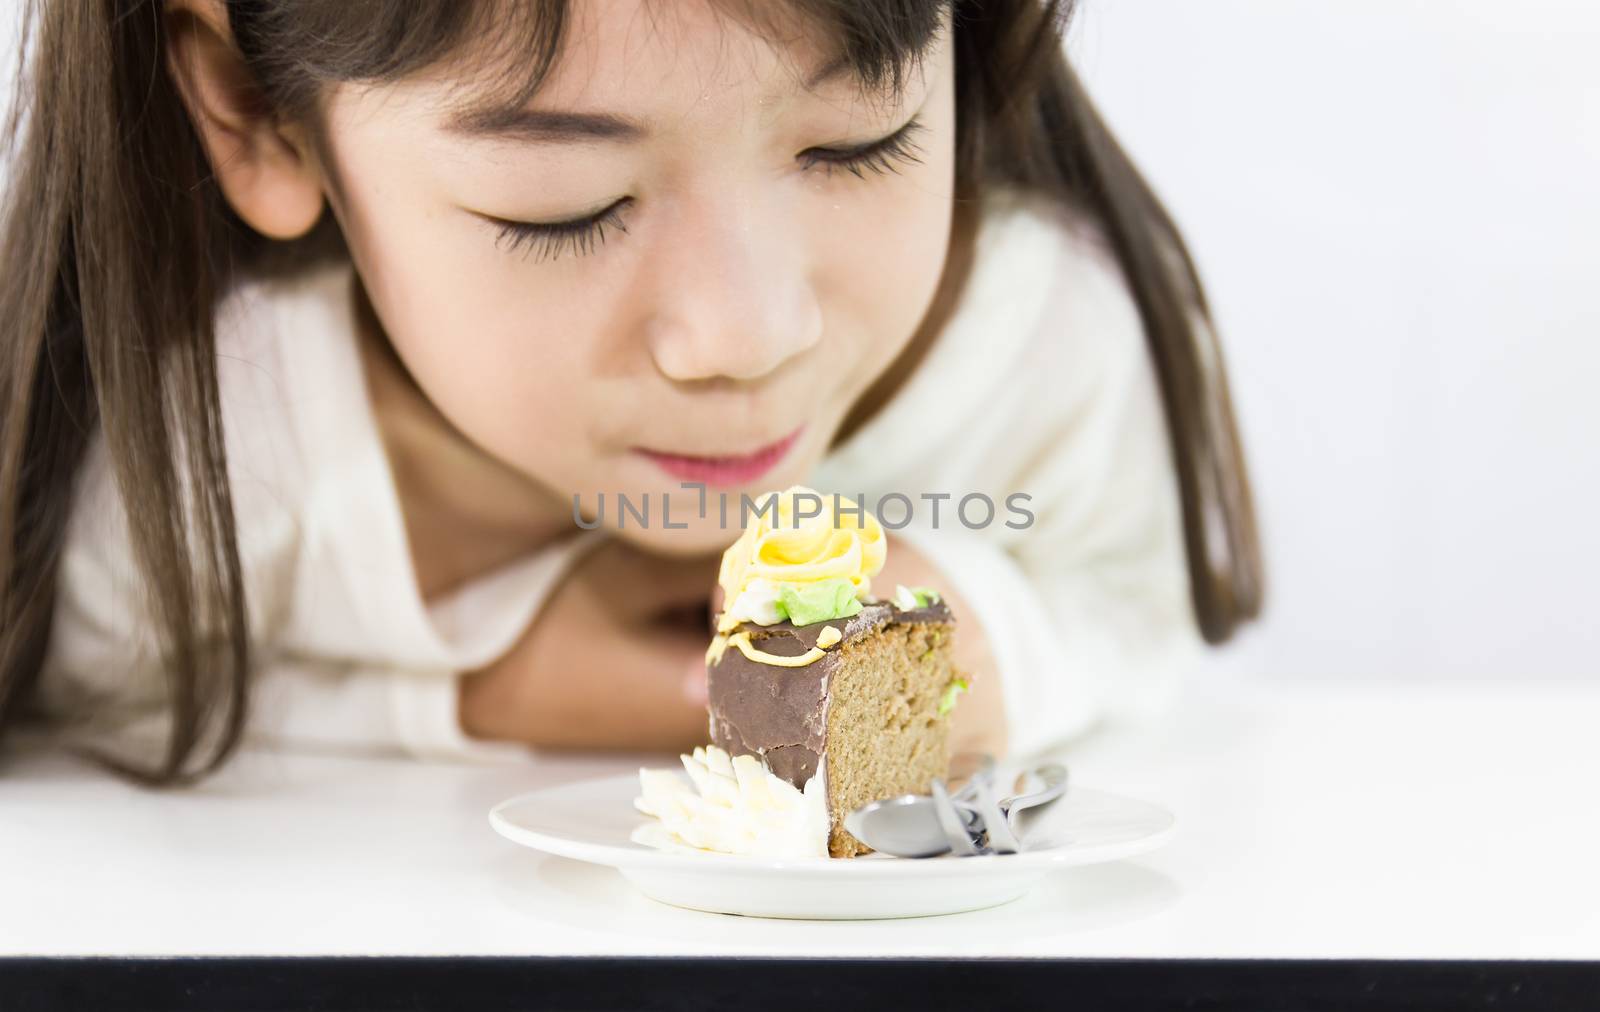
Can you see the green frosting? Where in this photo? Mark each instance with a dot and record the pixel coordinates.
(806, 603)
(951, 691)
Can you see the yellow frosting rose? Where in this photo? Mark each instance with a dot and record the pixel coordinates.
(780, 548)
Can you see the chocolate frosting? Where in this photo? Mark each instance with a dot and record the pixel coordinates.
(780, 713)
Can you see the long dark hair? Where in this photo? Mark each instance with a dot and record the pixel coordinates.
(117, 243)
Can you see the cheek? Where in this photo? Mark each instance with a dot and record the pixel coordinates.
(885, 255)
(496, 347)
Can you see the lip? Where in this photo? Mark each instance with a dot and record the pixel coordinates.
(724, 471)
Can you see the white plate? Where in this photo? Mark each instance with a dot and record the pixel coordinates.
(594, 820)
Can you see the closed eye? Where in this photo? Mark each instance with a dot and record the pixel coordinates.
(549, 240)
(886, 155)
(582, 236)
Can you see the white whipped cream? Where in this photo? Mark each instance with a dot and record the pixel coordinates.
(757, 603)
(735, 806)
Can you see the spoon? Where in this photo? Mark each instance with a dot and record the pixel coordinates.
(953, 821)
(981, 774)
(905, 826)
(915, 825)
(911, 825)
(1000, 838)
(1002, 819)
(1052, 778)
(1034, 787)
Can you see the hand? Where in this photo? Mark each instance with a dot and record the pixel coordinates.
(615, 659)
(978, 723)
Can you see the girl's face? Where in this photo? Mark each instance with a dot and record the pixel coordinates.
(680, 262)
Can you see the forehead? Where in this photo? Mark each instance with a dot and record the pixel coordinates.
(649, 53)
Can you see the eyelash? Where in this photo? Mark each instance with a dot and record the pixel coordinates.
(547, 240)
(886, 155)
(582, 236)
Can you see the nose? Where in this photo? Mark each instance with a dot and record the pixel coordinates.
(732, 298)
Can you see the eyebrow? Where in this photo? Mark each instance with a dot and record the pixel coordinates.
(516, 123)
(557, 127)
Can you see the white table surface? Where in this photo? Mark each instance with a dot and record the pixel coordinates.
(1313, 821)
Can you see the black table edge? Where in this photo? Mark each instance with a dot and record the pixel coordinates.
(770, 985)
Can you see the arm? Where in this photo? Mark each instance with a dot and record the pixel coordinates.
(611, 661)
(591, 671)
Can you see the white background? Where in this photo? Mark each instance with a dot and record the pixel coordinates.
(1397, 208)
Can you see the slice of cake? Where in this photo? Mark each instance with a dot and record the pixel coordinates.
(874, 703)
(816, 679)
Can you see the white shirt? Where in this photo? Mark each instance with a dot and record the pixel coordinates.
(1039, 383)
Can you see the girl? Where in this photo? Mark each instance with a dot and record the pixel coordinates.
(319, 315)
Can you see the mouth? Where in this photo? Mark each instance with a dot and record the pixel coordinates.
(723, 470)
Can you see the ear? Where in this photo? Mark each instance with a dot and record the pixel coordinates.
(267, 168)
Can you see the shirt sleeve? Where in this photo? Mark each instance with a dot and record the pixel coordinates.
(104, 685)
(323, 704)
(1086, 607)
(318, 705)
